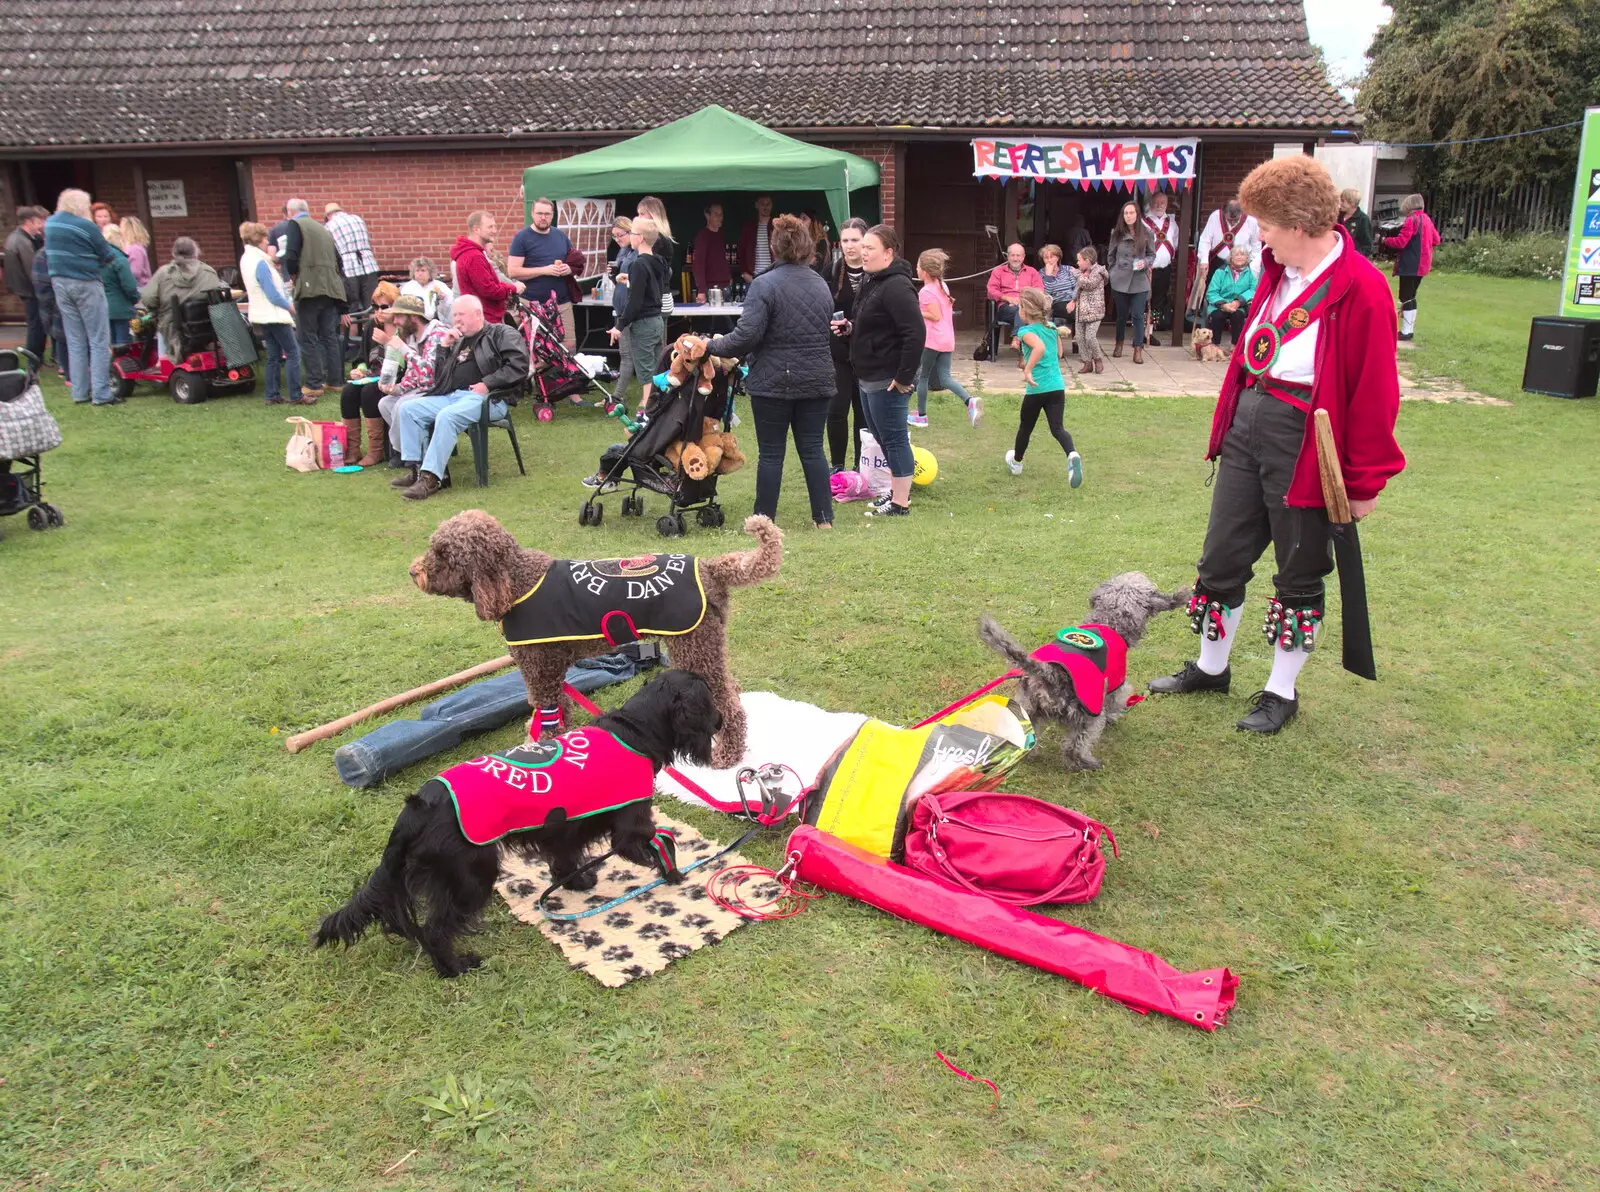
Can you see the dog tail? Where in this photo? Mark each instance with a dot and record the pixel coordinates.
(384, 898)
(743, 568)
(1002, 643)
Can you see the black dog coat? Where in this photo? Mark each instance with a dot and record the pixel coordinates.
(612, 600)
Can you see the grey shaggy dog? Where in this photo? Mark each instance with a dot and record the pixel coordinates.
(1125, 603)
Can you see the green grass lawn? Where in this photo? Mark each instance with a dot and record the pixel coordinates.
(1405, 880)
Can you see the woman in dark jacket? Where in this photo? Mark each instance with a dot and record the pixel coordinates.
(887, 336)
(783, 330)
(1129, 259)
(845, 281)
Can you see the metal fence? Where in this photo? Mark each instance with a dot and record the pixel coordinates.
(1462, 211)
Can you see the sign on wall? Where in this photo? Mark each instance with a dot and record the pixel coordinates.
(167, 200)
(1580, 285)
(1125, 162)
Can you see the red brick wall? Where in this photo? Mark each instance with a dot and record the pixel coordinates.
(1223, 165)
(882, 153)
(415, 203)
(205, 192)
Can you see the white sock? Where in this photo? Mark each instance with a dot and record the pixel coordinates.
(1214, 654)
(1286, 666)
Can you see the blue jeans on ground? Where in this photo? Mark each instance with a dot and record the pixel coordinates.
(120, 333)
(774, 416)
(37, 331)
(1131, 305)
(935, 375)
(444, 724)
(321, 349)
(886, 418)
(88, 328)
(446, 416)
(1006, 312)
(281, 344)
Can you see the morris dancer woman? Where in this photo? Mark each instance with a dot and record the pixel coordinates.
(1320, 336)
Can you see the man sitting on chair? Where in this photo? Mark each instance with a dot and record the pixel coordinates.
(474, 360)
(1007, 280)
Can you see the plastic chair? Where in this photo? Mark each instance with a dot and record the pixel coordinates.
(478, 433)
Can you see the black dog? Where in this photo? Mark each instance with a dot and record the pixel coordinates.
(429, 861)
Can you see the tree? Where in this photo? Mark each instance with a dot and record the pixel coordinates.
(1446, 70)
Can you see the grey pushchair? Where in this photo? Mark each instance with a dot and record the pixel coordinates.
(27, 431)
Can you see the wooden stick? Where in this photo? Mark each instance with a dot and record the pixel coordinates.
(322, 732)
(1333, 492)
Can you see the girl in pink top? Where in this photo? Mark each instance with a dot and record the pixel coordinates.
(938, 313)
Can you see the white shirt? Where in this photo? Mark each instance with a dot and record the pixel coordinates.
(1249, 236)
(1165, 234)
(1297, 358)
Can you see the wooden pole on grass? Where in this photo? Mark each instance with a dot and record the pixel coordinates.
(323, 731)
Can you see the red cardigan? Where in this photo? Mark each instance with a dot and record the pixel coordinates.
(1356, 380)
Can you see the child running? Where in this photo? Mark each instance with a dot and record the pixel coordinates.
(1041, 368)
(937, 312)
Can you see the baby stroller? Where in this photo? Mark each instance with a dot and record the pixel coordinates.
(27, 431)
(671, 415)
(552, 370)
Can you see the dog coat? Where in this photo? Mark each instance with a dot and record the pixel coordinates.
(579, 774)
(612, 600)
(1095, 656)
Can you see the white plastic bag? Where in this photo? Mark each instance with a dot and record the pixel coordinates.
(874, 465)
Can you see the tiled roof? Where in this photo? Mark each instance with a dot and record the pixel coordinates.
(139, 71)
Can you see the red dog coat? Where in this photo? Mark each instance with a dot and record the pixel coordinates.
(581, 773)
(1095, 656)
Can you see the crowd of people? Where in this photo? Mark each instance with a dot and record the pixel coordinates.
(838, 336)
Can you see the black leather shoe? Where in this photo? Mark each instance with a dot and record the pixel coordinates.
(1270, 713)
(1191, 678)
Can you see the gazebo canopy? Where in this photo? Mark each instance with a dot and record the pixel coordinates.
(714, 149)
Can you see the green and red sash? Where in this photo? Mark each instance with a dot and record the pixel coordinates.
(1262, 346)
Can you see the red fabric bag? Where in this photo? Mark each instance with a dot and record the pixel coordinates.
(1011, 848)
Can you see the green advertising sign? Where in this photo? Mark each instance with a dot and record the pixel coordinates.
(1580, 288)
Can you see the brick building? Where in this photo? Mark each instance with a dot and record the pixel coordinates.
(197, 114)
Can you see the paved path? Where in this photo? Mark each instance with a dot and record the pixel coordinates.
(1166, 372)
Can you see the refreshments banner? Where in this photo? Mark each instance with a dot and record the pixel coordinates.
(1123, 162)
(1580, 289)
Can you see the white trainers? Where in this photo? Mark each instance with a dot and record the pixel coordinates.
(975, 411)
(1074, 469)
(1013, 463)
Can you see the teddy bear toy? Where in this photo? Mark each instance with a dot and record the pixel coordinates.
(717, 451)
(688, 358)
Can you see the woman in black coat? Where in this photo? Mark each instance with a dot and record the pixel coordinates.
(846, 279)
(887, 335)
(783, 331)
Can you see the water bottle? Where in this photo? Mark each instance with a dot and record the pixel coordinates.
(335, 453)
(393, 357)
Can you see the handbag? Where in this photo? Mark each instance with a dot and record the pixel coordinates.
(1011, 848)
(309, 446)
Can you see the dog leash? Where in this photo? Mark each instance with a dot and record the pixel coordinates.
(562, 917)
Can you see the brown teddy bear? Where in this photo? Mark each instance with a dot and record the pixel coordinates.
(689, 457)
(688, 358)
(717, 451)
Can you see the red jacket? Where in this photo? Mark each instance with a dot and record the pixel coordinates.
(1415, 243)
(475, 276)
(711, 260)
(1004, 285)
(1356, 380)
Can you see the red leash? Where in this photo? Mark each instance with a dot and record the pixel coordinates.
(967, 699)
(971, 1077)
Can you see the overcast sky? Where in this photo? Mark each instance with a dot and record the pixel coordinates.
(1343, 29)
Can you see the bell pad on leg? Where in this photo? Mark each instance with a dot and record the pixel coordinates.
(1291, 625)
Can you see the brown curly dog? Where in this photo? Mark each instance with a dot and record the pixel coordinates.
(550, 626)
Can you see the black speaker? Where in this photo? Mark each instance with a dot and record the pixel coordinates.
(1563, 357)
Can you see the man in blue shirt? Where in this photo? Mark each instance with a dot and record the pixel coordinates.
(77, 248)
(538, 258)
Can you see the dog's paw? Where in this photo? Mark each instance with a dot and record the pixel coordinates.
(1082, 762)
(464, 963)
(587, 880)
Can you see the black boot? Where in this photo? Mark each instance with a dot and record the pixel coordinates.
(1270, 712)
(1192, 678)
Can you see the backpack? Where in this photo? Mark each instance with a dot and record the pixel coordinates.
(1011, 848)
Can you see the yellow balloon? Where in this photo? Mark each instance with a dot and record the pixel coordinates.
(927, 468)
